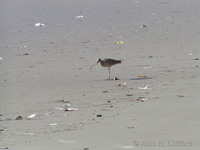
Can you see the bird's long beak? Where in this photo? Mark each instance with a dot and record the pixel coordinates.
(93, 65)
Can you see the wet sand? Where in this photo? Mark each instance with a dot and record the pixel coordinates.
(44, 70)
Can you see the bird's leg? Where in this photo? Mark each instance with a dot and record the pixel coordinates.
(109, 73)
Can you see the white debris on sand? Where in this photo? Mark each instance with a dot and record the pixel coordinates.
(31, 116)
(39, 25)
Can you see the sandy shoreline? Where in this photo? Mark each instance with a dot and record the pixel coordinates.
(41, 66)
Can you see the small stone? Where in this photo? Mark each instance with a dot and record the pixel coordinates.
(143, 26)
(180, 96)
(115, 78)
(130, 127)
(19, 118)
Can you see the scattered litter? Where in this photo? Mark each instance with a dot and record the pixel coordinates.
(123, 85)
(80, 17)
(105, 91)
(150, 57)
(19, 118)
(196, 59)
(39, 25)
(143, 76)
(99, 115)
(115, 78)
(86, 149)
(71, 109)
(3, 148)
(130, 127)
(59, 108)
(143, 26)
(25, 54)
(144, 88)
(53, 124)
(190, 54)
(129, 94)
(66, 115)
(62, 101)
(120, 42)
(31, 116)
(81, 125)
(179, 95)
(66, 104)
(142, 99)
(1, 58)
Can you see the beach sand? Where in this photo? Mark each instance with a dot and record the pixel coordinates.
(44, 72)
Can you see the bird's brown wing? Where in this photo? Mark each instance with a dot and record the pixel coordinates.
(110, 62)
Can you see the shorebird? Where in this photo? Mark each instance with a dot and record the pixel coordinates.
(107, 62)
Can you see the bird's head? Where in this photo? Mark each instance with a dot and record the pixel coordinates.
(98, 61)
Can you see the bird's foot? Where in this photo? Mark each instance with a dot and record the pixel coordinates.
(108, 79)
(115, 78)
